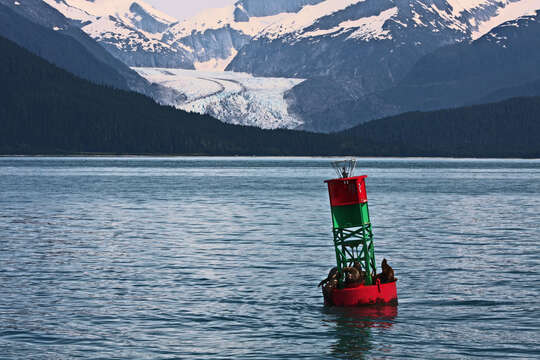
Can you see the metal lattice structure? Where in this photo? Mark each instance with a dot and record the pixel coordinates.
(353, 235)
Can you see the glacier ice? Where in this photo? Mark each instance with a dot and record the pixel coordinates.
(232, 97)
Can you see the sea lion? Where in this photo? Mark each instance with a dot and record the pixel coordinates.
(352, 276)
(387, 275)
(332, 274)
(358, 267)
(327, 290)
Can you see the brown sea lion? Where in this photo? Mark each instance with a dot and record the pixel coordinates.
(387, 275)
(358, 267)
(327, 289)
(332, 274)
(352, 276)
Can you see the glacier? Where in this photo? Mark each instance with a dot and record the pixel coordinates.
(232, 97)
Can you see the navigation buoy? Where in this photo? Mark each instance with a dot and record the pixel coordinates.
(353, 243)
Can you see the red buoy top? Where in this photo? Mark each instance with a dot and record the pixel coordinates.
(347, 191)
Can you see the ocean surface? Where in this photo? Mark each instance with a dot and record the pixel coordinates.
(219, 258)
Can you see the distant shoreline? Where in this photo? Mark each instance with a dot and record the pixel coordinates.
(135, 156)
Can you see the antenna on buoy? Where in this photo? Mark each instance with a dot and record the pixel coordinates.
(344, 168)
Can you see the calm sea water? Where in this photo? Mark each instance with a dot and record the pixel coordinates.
(205, 258)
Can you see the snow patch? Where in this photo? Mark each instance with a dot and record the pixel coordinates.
(216, 64)
(118, 8)
(16, 3)
(417, 19)
(460, 6)
(98, 12)
(512, 11)
(307, 16)
(370, 27)
(452, 22)
(271, 26)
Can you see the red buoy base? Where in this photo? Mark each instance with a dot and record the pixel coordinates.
(365, 295)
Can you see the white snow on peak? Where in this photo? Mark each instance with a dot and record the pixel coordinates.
(214, 18)
(292, 22)
(417, 19)
(98, 11)
(367, 28)
(372, 27)
(121, 30)
(512, 11)
(272, 26)
(115, 8)
(452, 21)
(70, 12)
(460, 6)
(16, 3)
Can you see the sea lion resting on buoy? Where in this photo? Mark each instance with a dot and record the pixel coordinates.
(387, 275)
(358, 267)
(327, 289)
(353, 277)
(332, 274)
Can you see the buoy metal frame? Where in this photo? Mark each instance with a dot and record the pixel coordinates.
(353, 242)
(353, 235)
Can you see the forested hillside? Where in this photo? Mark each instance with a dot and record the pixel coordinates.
(506, 129)
(46, 110)
(58, 48)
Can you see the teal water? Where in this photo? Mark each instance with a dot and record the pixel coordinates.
(219, 258)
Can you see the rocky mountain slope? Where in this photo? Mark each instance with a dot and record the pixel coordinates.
(140, 35)
(373, 40)
(131, 31)
(352, 68)
(350, 37)
(507, 56)
(499, 65)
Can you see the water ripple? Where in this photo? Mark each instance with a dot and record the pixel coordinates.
(218, 258)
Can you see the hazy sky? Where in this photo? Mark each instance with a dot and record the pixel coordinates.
(183, 9)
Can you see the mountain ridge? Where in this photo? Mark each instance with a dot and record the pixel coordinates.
(352, 54)
(501, 62)
(47, 110)
(136, 33)
(43, 30)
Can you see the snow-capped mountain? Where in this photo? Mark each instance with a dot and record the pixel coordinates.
(507, 56)
(368, 37)
(140, 35)
(499, 65)
(367, 47)
(345, 49)
(41, 29)
(131, 31)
